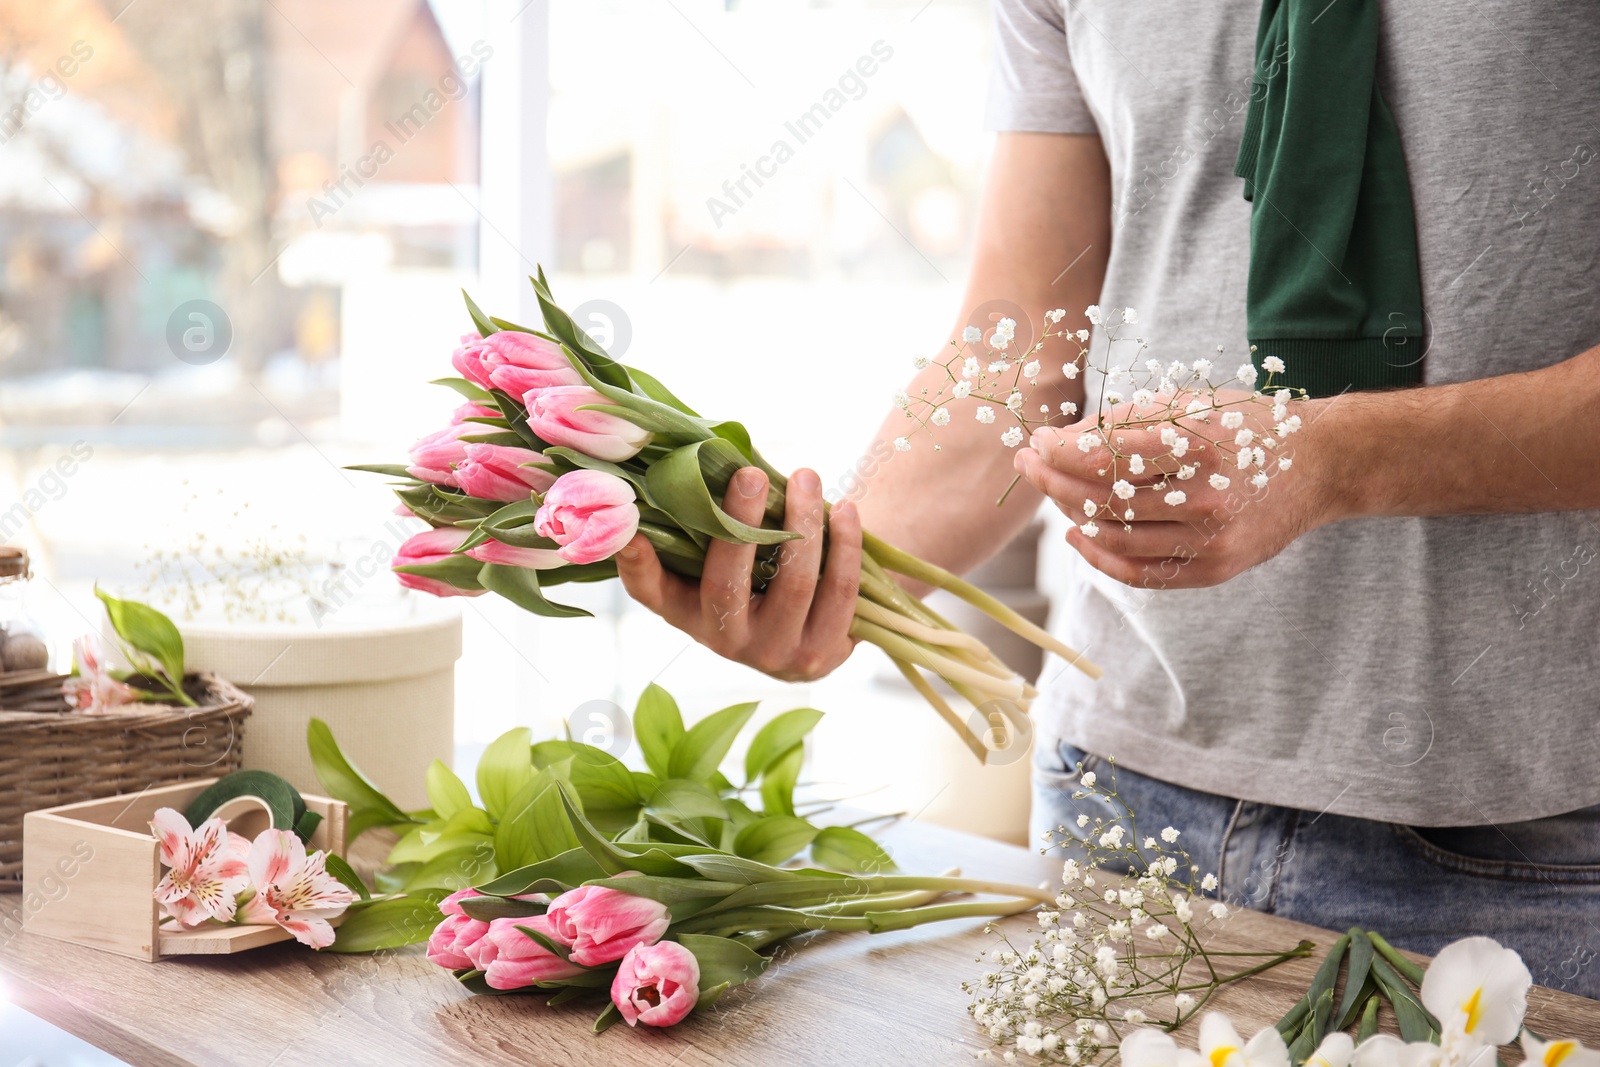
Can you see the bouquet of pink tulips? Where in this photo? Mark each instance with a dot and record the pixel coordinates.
(561, 454)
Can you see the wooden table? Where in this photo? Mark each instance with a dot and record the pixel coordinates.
(845, 999)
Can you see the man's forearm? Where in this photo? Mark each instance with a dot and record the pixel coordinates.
(1515, 443)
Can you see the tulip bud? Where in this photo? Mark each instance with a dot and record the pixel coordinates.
(510, 959)
(602, 924)
(473, 411)
(514, 362)
(435, 457)
(656, 984)
(590, 514)
(450, 940)
(533, 559)
(431, 546)
(499, 472)
(553, 414)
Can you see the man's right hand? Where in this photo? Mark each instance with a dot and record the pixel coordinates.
(799, 628)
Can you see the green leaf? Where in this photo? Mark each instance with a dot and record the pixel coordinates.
(652, 388)
(701, 750)
(678, 798)
(603, 784)
(467, 827)
(388, 470)
(777, 784)
(723, 960)
(479, 319)
(773, 839)
(677, 484)
(842, 848)
(404, 920)
(505, 768)
(608, 1018)
(459, 571)
(658, 726)
(341, 780)
(455, 869)
(571, 868)
(152, 633)
(487, 908)
(774, 740)
(446, 792)
(469, 390)
(340, 868)
(614, 860)
(1356, 985)
(521, 586)
(616, 470)
(534, 827)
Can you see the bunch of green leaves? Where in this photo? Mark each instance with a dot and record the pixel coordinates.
(152, 645)
(1373, 973)
(679, 478)
(681, 800)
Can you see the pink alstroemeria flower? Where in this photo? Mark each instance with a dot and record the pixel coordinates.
(501, 472)
(513, 362)
(590, 514)
(510, 959)
(294, 890)
(554, 415)
(534, 559)
(431, 546)
(206, 868)
(434, 458)
(602, 924)
(93, 690)
(657, 984)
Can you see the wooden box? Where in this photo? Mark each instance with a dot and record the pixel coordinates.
(97, 864)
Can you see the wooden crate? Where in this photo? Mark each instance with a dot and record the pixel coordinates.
(97, 864)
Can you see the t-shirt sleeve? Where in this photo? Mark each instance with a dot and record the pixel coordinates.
(1033, 87)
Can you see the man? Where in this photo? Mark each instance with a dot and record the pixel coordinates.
(1366, 694)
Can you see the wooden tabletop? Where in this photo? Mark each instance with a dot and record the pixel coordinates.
(848, 999)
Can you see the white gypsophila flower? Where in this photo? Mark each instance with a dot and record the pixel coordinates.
(1244, 437)
(1219, 481)
(1273, 365)
(1015, 401)
(1284, 463)
(1113, 397)
(1143, 397)
(1136, 464)
(1232, 420)
(1219, 910)
(1082, 336)
(1181, 909)
(970, 367)
(1030, 369)
(1169, 835)
(1068, 408)
(920, 362)
(1259, 456)
(1088, 780)
(1186, 472)
(1083, 820)
(1244, 459)
(1044, 409)
(1168, 435)
(1123, 489)
(902, 444)
(1150, 842)
(1116, 375)
(1156, 932)
(1092, 313)
(1012, 437)
(1127, 516)
(1176, 497)
(1088, 442)
(1133, 1016)
(1130, 316)
(1152, 366)
(1259, 479)
(1246, 373)
(1090, 529)
(1282, 396)
(1290, 425)
(901, 400)
(997, 366)
(1201, 367)
(1055, 315)
(985, 414)
(1280, 412)
(1006, 328)
(1176, 369)
(961, 390)
(1209, 883)
(1268, 441)
(1180, 447)
(1089, 508)
(940, 417)
(1183, 1002)
(1070, 370)
(972, 335)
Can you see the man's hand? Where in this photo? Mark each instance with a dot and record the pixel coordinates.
(1230, 518)
(799, 628)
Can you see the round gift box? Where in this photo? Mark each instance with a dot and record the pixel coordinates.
(387, 690)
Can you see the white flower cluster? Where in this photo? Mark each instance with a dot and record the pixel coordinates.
(1111, 954)
(1153, 423)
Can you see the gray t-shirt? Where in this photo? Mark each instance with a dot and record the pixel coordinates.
(1435, 671)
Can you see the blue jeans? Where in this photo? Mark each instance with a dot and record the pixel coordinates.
(1533, 886)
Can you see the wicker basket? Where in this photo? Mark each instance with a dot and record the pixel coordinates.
(51, 755)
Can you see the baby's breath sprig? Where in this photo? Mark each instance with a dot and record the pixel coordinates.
(1114, 951)
(1151, 435)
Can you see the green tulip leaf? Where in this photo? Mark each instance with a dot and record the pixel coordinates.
(479, 319)
(468, 390)
(387, 924)
(504, 769)
(723, 961)
(772, 839)
(677, 799)
(677, 484)
(701, 750)
(778, 781)
(446, 792)
(842, 848)
(658, 726)
(343, 781)
(774, 740)
(521, 586)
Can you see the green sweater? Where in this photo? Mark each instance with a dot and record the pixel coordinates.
(1333, 285)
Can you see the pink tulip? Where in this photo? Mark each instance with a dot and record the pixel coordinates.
(431, 546)
(470, 410)
(590, 514)
(533, 559)
(435, 457)
(602, 924)
(510, 959)
(553, 414)
(450, 940)
(500, 472)
(657, 984)
(514, 362)
(451, 905)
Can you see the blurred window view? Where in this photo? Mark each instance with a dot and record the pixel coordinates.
(234, 235)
